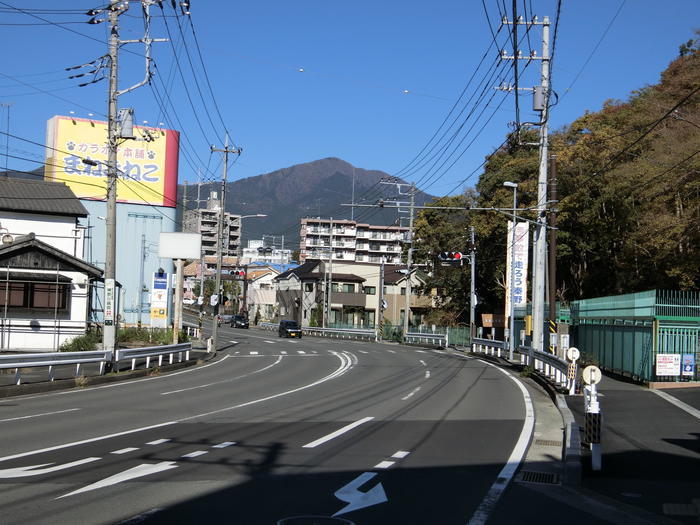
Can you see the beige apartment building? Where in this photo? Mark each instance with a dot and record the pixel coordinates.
(351, 241)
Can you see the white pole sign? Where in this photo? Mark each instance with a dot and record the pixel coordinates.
(522, 235)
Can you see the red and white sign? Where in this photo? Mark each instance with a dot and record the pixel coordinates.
(668, 364)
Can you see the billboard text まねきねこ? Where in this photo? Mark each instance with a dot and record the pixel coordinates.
(147, 167)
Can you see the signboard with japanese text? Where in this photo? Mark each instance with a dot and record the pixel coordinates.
(519, 258)
(688, 365)
(109, 302)
(147, 167)
(668, 364)
(159, 300)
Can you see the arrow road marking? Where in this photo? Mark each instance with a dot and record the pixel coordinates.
(36, 470)
(142, 470)
(356, 499)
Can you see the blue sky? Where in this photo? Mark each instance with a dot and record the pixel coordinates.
(378, 77)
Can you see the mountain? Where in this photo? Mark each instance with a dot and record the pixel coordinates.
(311, 189)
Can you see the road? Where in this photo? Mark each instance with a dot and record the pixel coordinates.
(272, 431)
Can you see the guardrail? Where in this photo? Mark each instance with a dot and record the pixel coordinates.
(51, 359)
(341, 333)
(152, 351)
(427, 337)
(554, 368)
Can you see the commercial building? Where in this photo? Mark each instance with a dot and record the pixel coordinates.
(351, 241)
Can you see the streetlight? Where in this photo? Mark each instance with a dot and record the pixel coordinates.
(511, 313)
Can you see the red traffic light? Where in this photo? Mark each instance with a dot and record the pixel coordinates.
(457, 255)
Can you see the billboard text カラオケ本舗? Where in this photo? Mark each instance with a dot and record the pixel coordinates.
(147, 166)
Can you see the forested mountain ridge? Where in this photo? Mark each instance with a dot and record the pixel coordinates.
(629, 197)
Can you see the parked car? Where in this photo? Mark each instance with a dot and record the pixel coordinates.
(189, 301)
(289, 328)
(239, 321)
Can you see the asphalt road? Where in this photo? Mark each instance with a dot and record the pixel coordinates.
(275, 431)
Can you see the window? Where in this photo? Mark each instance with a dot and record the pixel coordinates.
(370, 290)
(349, 288)
(335, 287)
(34, 295)
(309, 287)
(403, 290)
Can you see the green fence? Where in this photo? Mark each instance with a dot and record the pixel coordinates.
(625, 333)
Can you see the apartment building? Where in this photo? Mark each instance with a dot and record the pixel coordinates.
(205, 221)
(351, 241)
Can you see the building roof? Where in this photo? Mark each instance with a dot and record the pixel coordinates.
(29, 243)
(39, 196)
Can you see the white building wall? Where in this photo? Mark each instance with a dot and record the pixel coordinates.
(57, 231)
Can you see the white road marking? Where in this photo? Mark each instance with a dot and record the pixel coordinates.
(237, 353)
(423, 363)
(391, 351)
(158, 442)
(414, 391)
(346, 364)
(271, 342)
(141, 470)
(300, 352)
(234, 342)
(224, 444)
(339, 432)
(224, 381)
(364, 352)
(254, 353)
(39, 415)
(283, 352)
(422, 351)
(36, 470)
(195, 454)
(124, 450)
(427, 374)
(677, 402)
(486, 507)
(384, 464)
(355, 499)
(400, 454)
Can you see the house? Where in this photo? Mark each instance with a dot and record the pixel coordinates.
(358, 293)
(44, 294)
(50, 210)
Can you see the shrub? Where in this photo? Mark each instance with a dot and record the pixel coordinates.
(81, 343)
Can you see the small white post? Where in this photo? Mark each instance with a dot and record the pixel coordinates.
(18, 377)
(133, 364)
(160, 360)
(148, 361)
(77, 370)
(51, 373)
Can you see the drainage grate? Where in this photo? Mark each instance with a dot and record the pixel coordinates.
(548, 442)
(548, 478)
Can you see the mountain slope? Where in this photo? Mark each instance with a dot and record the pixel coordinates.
(312, 189)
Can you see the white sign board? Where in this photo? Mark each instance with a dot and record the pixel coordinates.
(572, 354)
(564, 340)
(522, 236)
(179, 245)
(109, 302)
(668, 364)
(592, 375)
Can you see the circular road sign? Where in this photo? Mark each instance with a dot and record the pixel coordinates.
(592, 375)
(572, 354)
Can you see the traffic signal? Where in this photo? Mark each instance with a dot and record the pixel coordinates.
(238, 272)
(451, 258)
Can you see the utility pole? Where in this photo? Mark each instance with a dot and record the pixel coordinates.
(380, 305)
(472, 292)
(109, 331)
(220, 228)
(409, 261)
(552, 234)
(540, 104)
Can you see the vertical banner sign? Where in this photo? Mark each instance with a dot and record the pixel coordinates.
(668, 364)
(159, 301)
(688, 365)
(109, 302)
(522, 237)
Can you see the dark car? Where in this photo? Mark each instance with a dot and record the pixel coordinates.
(289, 329)
(239, 321)
(223, 319)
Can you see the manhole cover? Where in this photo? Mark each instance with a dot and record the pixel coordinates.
(547, 478)
(314, 520)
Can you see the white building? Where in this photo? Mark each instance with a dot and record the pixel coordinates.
(257, 252)
(351, 241)
(45, 285)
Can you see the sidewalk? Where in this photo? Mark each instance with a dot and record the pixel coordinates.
(651, 449)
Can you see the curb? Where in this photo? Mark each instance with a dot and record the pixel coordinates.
(88, 381)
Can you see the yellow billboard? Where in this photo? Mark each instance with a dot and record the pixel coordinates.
(147, 167)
